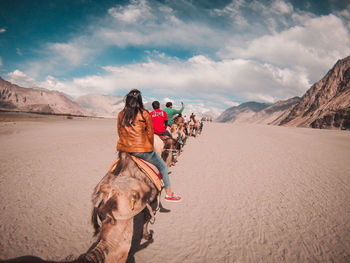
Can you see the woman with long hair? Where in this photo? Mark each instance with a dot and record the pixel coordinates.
(135, 133)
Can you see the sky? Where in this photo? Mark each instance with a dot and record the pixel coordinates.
(211, 55)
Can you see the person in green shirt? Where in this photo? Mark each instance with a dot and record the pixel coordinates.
(171, 112)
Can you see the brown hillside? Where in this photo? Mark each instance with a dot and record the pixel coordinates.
(16, 98)
(327, 103)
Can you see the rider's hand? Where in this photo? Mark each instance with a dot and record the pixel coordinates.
(183, 105)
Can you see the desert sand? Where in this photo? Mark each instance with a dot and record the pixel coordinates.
(251, 193)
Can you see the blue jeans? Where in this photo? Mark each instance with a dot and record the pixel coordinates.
(155, 159)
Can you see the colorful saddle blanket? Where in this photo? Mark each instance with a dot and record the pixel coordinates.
(149, 169)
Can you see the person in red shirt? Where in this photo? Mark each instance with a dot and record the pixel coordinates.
(159, 119)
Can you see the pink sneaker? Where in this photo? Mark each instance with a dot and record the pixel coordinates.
(172, 198)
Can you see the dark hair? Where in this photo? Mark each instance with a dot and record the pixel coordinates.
(155, 104)
(168, 104)
(133, 105)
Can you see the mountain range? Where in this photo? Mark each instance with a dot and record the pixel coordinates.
(16, 98)
(101, 105)
(325, 105)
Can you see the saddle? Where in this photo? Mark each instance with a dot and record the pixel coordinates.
(149, 169)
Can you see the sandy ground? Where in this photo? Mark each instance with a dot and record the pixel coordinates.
(250, 193)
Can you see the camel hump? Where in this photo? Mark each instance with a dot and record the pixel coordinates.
(151, 171)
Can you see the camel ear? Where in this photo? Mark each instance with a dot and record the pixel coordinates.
(105, 189)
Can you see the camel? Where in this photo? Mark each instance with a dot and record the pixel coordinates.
(123, 192)
(179, 120)
(176, 130)
(194, 127)
(165, 149)
(191, 127)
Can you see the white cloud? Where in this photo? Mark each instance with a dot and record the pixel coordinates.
(21, 79)
(137, 24)
(165, 100)
(2, 30)
(313, 47)
(19, 52)
(281, 7)
(198, 78)
(233, 10)
(277, 56)
(135, 12)
(230, 103)
(73, 53)
(345, 15)
(60, 58)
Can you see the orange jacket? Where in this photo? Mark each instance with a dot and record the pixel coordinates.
(137, 137)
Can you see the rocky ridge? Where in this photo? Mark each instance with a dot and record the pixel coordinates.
(327, 103)
(16, 98)
(242, 113)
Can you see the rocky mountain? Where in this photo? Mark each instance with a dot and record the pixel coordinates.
(101, 105)
(276, 111)
(242, 113)
(16, 98)
(327, 103)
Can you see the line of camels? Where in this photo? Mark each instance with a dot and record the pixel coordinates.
(125, 201)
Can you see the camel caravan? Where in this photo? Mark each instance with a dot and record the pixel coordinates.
(131, 187)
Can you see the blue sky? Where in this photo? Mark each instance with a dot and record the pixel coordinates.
(209, 54)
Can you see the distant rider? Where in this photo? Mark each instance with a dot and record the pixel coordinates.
(159, 120)
(171, 112)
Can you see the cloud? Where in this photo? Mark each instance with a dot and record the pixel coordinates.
(107, 85)
(2, 30)
(19, 52)
(196, 78)
(135, 12)
(312, 47)
(265, 52)
(165, 100)
(60, 58)
(73, 53)
(142, 24)
(137, 24)
(345, 15)
(21, 79)
(281, 7)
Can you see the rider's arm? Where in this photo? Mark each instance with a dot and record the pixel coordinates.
(178, 111)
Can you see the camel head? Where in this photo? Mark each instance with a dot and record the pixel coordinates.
(168, 152)
(122, 199)
(122, 193)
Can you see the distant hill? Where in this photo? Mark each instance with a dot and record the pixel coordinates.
(327, 103)
(242, 113)
(16, 98)
(276, 111)
(101, 105)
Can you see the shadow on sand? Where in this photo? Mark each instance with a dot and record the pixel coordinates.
(135, 244)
